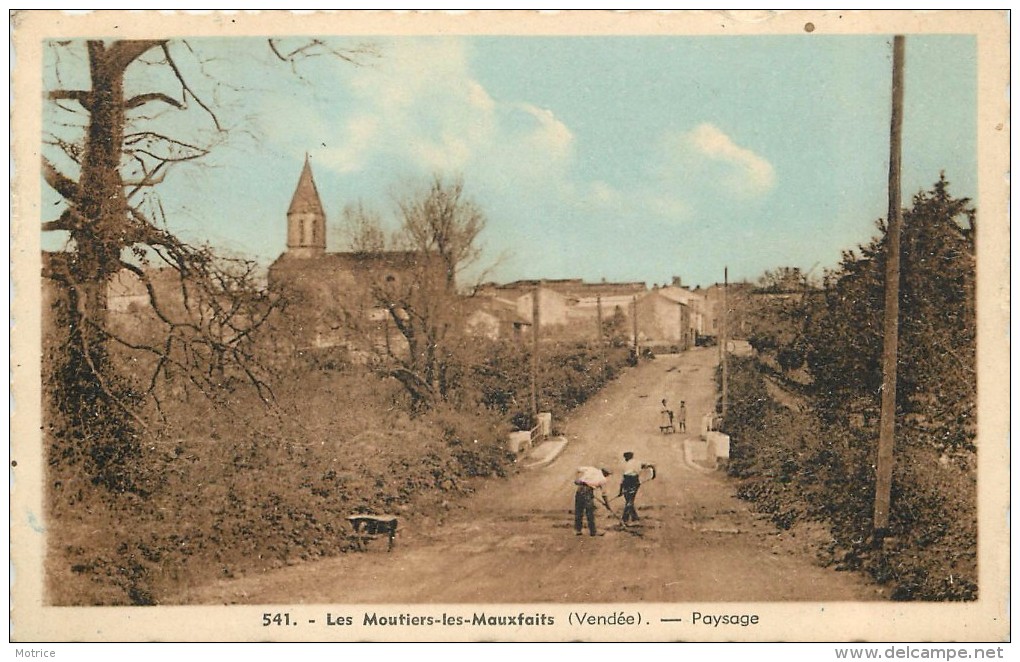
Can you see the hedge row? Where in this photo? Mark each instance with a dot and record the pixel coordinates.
(793, 465)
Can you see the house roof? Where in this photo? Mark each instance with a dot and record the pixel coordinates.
(569, 287)
(680, 295)
(306, 195)
(499, 308)
(352, 261)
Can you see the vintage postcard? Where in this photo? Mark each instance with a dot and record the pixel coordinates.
(510, 326)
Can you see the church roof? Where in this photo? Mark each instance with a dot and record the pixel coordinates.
(306, 196)
(350, 261)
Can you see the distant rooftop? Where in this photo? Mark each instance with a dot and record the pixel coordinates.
(570, 286)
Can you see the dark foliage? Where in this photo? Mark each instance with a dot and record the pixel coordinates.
(88, 426)
(936, 374)
(818, 463)
(569, 374)
(794, 465)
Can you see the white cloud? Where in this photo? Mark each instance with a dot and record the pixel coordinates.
(685, 172)
(479, 98)
(668, 204)
(707, 150)
(420, 109)
(715, 144)
(550, 133)
(604, 194)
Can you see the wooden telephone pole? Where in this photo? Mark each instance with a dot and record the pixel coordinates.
(534, 350)
(634, 305)
(601, 334)
(887, 431)
(725, 340)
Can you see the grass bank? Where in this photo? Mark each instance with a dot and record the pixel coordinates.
(222, 492)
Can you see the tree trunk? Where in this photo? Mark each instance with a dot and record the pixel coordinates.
(100, 238)
(94, 402)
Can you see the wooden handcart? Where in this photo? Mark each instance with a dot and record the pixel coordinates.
(368, 527)
(666, 425)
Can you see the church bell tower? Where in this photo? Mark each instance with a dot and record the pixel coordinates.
(306, 221)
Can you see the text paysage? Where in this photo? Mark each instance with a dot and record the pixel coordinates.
(715, 620)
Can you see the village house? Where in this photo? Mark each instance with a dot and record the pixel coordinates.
(496, 319)
(694, 300)
(735, 311)
(663, 322)
(567, 308)
(570, 309)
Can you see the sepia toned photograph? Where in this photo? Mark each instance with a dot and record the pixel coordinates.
(599, 326)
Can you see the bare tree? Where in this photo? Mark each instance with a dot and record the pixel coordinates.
(363, 229)
(442, 222)
(415, 283)
(106, 152)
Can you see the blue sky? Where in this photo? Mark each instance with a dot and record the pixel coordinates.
(628, 158)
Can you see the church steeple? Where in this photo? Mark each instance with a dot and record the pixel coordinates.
(306, 220)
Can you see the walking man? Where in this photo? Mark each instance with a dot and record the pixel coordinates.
(681, 418)
(588, 479)
(629, 485)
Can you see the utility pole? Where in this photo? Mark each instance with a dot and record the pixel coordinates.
(534, 350)
(601, 336)
(887, 429)
(725, 341)
(682, 341)
(721, 321)
(634, 316)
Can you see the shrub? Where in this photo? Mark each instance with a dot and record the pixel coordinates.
(793, 465)
(569, 374)
(232, 494)
(223, 491)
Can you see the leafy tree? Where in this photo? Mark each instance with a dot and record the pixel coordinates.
(615, 328)
(937, 379)
(776, 313)
(783, 279)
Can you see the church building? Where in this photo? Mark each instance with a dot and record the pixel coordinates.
(306, 219)
(330, 294)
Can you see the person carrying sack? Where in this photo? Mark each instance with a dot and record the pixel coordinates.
(588, 480)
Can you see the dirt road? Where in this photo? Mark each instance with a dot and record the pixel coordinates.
(514, 541)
